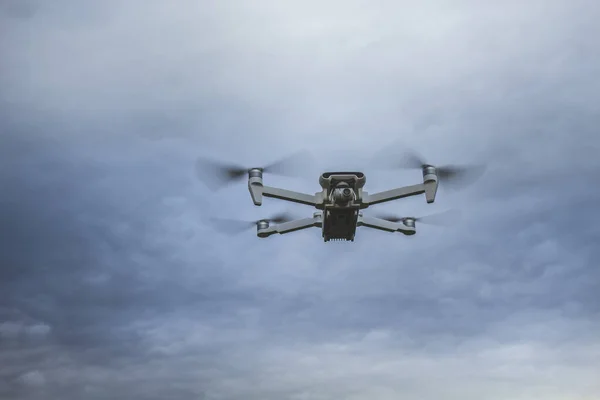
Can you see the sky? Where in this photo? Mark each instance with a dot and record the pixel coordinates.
(113, 285)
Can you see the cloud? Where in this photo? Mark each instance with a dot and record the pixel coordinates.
(33, 378)
(11, 329)
(112, 285)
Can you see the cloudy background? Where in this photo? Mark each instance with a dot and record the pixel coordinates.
(112, 286)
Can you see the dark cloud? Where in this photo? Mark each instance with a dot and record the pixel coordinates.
(18, 8)
(112, 286)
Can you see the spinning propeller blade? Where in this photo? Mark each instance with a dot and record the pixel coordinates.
(234, 226)
(444, 218)
(455, 176)
(216, 174)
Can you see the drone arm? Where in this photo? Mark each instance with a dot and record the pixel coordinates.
(288, 195)
(257, 191)
(428, 187)
(383, 225)
(291, 226)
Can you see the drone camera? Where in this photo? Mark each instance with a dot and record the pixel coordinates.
(342, 194)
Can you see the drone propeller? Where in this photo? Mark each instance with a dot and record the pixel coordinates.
(216, 174)
(444, 218)
(234, 226)
(451, 175)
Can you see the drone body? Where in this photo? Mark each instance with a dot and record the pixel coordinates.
(340, 201)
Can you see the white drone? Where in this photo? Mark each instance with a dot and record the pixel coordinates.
(339, 202)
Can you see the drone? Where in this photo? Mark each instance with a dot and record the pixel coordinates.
(339, 202)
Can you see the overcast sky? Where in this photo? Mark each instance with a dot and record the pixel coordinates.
(112, 286)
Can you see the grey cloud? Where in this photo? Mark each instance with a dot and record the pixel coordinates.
(111, 284)
(32, 378)
(17, 9)
(10, 329)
